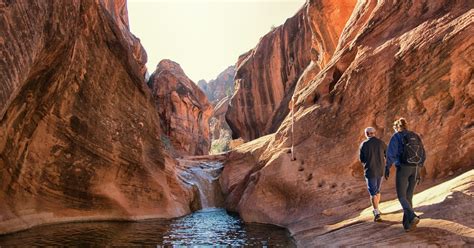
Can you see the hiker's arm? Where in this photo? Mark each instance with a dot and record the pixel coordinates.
(423, 149)
(393, 152)
(361, 154)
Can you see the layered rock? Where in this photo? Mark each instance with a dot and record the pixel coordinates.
(266, 75)
(183, 108)
(219, 91)
(119, 12)
(221, 87)
(382, 69)
(79, 132)
(220, 131)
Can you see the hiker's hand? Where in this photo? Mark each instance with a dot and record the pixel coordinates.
(387, 173)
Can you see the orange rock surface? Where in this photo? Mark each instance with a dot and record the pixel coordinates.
(79, 131)
(393, 59)
(183, 108)
(219, 91)
(266, 76)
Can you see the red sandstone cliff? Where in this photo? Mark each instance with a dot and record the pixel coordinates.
(183, 108)
(220, 131)
(118, 11)
(219, 92)
(392, 59)
(217, 89)
(266, 76)
(79, 132)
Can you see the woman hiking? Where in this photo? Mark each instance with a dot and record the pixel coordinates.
(406, 151)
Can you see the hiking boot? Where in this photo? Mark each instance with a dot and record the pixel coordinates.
(377, 218)
(413, 224)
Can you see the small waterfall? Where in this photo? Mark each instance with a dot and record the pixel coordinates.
(205, 176)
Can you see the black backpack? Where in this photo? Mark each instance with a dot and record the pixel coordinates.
(413, 150)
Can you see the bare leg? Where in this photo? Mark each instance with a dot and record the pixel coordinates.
(374, 201)
(377, 200)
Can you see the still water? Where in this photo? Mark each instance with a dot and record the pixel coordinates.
(209, 227)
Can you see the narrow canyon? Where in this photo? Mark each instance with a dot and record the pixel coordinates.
(85, 135)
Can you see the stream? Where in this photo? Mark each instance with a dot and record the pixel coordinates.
(210, 226)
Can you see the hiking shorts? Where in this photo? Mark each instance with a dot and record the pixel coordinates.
(373, 185)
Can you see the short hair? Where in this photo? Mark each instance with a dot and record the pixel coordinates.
(401, 123)
(369, 130)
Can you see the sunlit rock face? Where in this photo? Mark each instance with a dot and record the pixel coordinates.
(79, 131)
(119, 12)
(217, 89)
(221, 134)
(266, 76)
(393, 59)
(183, 108)
(437, 226)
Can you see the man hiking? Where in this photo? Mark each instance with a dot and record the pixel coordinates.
(372, 156)
(406, 151)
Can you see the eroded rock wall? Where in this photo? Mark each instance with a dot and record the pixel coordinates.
(79, 132)
(219, 88)
(393, 59)
(266, 76)
(218, 92)
(119, 12)
(183, 108)
(221, 134)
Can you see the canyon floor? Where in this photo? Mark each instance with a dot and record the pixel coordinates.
(446, 220)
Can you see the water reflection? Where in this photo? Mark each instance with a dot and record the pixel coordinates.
(206, 227)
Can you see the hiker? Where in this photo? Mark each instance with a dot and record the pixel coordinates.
(406, 151)
(372, 156)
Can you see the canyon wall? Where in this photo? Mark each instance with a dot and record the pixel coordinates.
(79, 131)
(266, 77)
(221, 134)
(119, 12)
(183, 108)
(393, 59)
(217, 89)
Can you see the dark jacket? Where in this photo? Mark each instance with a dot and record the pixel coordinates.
(372, 155)
(395, 150)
